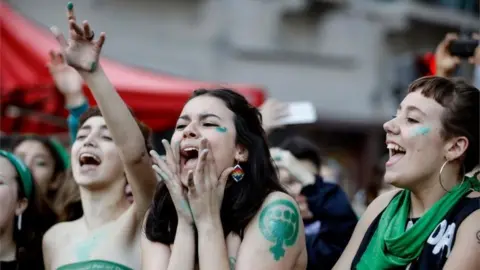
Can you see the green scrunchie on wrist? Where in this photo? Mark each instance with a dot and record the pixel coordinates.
(22, 170)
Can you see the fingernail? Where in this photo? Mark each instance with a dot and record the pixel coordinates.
(70, 5)
(93, 67)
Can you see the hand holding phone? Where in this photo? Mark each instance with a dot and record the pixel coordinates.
(463, 48)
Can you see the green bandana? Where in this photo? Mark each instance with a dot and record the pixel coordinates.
(94, 264)
(22, 170)
(61, 151)
(391, 245)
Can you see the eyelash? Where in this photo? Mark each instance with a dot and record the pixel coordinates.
(103, 137)
(409, 119)
(205, 124)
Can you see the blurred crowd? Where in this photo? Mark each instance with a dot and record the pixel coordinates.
(223, 198)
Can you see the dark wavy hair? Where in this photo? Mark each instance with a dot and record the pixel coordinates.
(242, 200)
(462, 112)
(63, 197)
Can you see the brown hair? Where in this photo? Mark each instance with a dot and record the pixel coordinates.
(95, 111)
(461, 116)
(63, 196)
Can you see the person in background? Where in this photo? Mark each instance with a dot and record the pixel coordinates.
(20, 237)
(110, 147)
(273, 112)
(431, 220)
(48, 161)
(328, 216)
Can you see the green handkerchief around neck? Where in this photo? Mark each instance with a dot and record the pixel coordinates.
(392, 245)
(94, 265)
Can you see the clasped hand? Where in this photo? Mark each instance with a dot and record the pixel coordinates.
(198, 198)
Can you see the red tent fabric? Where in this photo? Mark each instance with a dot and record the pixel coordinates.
(156, 99)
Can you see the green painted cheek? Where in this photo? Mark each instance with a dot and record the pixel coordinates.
(221, 129)
(420, 131)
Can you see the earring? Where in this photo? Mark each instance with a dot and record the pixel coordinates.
(440, 175)
(237, 173)
(19, 222)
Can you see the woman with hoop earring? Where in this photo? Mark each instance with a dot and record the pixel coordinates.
(432, 222)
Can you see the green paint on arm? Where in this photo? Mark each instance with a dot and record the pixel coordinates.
(93, 67)
(70, 5)
(232, 261)
(221, 129)
(279, 224)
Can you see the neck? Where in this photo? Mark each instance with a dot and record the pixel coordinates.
(8, 247)
(427, 194)
(101, 206)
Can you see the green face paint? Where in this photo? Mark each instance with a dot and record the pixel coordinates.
(232, 261)
(70, 5)
(221, 129)
(93, 67)
(279, 224)
(420, 131)
(277, 158)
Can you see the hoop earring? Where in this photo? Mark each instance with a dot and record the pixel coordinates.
(440, 175)
(19, 222)
(237, 173)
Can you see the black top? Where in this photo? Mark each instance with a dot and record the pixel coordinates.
(10, 265)
(438, 245)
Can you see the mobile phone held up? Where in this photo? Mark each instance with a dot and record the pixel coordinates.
(463, 48)
(302, 112)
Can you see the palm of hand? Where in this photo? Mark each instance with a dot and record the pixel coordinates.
(80, 51)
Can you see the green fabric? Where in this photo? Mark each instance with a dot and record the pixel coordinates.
(62, 152)
(94, 264)
(392, 245)
(22, 170)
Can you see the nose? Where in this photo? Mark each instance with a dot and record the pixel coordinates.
(391, 127)
(89, 141)
(190, 131)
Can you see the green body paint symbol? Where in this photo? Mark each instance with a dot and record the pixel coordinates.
(221, 129)
(421, 131)
(70, 5)
(85, 248)
(186, 207)
(279, 224)
(232, 261)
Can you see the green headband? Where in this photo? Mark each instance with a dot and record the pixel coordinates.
(62, 152)
(22, 170)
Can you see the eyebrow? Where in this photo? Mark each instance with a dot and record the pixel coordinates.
(412, 108)
(88, 127)
(201, 117)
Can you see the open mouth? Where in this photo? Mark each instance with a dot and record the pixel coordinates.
(88, 159)
(396, 152)
(189, 157)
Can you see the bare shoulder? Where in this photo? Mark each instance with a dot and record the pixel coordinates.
(60, 232)
(378, 205)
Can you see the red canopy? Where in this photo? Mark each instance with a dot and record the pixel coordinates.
(25, 82)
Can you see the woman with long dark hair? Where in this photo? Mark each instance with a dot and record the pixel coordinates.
(432, 221)
(20, 237)
(220, 203)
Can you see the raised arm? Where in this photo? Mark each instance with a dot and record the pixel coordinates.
(68, 82)
(82, 53)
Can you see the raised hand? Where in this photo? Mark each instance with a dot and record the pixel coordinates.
(80, 51)
(475, 59)
(66, 78)
(169, 172)
(444, 61)
(205, 188)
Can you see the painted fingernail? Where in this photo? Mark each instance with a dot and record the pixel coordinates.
(70, 5)
(94, 66)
